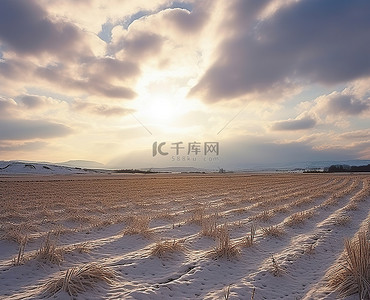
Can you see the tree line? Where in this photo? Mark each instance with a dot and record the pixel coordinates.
(347, 168)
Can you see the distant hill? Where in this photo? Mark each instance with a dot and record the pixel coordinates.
(78, 167)
(90, 167)
(82, 164)
(17, 167)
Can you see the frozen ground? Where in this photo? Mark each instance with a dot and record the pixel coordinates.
(120, 221)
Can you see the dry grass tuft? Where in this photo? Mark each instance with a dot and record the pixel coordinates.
(275, 231)
(299, 218)
(248, 241)
(49, 252)
(226, 292)
(342, 220)
(166, 248)
(83, 248)
(253, 293)
(310, 249)
(19, 260)
(79, 279)
(225, 247)
(276, 269)
(353, 275)
(138, 225)
(209, 226)
(79, 248)
(13, 233)
(264, 216)
(197, 216)
(60, 229)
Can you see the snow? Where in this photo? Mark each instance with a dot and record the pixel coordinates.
(12, 168)
(96, 211)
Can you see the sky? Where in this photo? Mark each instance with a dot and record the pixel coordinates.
(207, 83)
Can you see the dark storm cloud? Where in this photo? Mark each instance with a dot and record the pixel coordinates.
(26, 28)
(291, 125)
(308, 41)
(346, 105)
(18, 129)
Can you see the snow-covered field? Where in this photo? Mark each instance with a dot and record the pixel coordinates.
(159, 236)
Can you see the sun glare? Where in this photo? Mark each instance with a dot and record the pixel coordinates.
(160, 110)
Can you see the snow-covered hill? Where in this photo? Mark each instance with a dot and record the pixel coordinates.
(16, 167)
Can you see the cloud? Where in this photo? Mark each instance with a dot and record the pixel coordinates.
(14, 69)
(101, 109)
(160, 34)
(108, 77)
(242, 14)
(342, 109)
(114, 12)
(185, 21)
(359, 149)
(27, 146)
(343, 104)
(19, 129)
(27, 29)
(93, 84)
(137, 44)
(57, 54)
(246, 151)
(143, 44)
(6, 105)
(108, 111)
(32, 102)
(29, 105)
(303, 42)
(110, 68)
(357, 134)
(297, 124)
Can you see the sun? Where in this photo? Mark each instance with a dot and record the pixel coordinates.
(161, 110)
